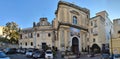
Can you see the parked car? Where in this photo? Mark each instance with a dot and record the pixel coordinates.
(116, 56)
(49, 54)
(29, 53)
(10, 50)
(23, 50)
(105, 56)
(37, 54)
(3, 55)
(18, 50)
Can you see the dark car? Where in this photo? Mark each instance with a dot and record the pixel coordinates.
(38, 54)
(10, 50)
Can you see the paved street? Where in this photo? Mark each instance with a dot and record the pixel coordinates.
(22, 56)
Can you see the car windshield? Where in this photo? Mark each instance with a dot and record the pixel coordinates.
(37, 51)
(49, 52)
(117, 55)
(30, 51)
(2, 55)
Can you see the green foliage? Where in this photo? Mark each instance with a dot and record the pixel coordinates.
(11, 31)
(5, 40)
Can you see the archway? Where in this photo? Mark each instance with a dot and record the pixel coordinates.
(75, 45)
(95, 48)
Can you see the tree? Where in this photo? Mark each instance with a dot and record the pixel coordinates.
(11, 31)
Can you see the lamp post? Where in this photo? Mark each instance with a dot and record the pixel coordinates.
(111, 43)
(35, 29)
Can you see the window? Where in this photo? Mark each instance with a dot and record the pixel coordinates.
(31, 35)
(49, 35)
(31, 43)
(91, 23)
(38, 35)
(20, 43)
(74, 20)
(20, 36)
(91, 30)
(93, 40)
(25, 43)
(95, 24)
(118, 32)
(88, 39)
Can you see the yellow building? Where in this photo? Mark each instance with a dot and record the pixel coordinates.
(115, 49)
(115, 42)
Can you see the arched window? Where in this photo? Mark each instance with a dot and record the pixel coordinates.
(31, 43)
(94, 40)
(49, 35)
(74, 20)
(25, 43)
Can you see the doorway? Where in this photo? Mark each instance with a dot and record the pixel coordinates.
(75, 45)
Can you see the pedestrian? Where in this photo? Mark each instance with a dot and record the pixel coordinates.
(78, 55)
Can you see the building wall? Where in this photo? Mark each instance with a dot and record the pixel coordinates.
(97, 31)
(108, 25)
(1, 30)
(116, 24)
(65, 14)
(115, 49)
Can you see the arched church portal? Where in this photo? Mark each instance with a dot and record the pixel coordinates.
(75, 45)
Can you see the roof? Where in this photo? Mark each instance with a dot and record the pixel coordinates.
(72, 5)
(96, 17)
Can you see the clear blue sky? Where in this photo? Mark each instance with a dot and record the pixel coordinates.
(25, 12)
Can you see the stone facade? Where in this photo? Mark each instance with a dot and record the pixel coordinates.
(72, 29)
(68, 30)
(115, 42)
(116, 25)
(101, 29)
(40, 33)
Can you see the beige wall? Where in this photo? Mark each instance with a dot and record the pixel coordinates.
(43, 38)
(98, 31)
(65, 14)
(115, 46)
(116, 25)
(1, 30)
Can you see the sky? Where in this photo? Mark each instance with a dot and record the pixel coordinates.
(25, 12)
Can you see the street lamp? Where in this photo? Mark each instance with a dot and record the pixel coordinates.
(111, 43)
(35, 29)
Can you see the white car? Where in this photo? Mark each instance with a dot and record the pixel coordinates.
(3, 55)
(49, 54)
(29, 53)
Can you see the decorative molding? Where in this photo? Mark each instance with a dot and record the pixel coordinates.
(75, 12)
